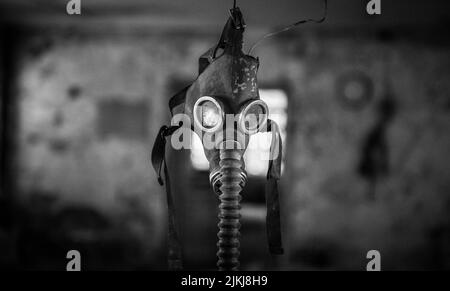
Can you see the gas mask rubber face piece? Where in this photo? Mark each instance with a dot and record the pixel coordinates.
(224, 109)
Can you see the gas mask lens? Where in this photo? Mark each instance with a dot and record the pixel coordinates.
(253, 117)
(208, 114)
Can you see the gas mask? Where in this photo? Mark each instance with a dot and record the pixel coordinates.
(224, 109)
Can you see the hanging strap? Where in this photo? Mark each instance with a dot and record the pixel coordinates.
(273, 224)
(158, 162)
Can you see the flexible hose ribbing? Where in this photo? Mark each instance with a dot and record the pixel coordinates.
(230, 185)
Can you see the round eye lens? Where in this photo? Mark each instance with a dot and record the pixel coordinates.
(253, 117)
(208, 114)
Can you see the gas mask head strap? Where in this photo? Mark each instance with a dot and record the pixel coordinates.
(176, 105)
(273, 224)
(159, 163)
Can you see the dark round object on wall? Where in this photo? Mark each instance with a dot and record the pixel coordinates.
(354, 90)
(74, 92)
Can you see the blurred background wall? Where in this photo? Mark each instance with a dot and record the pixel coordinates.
(367, 134)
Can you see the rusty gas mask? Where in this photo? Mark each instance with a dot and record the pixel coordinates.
(224, 109)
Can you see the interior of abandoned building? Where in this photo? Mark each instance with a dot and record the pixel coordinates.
(362, 101)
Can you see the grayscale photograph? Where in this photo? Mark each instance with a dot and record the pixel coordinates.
(224, 135)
